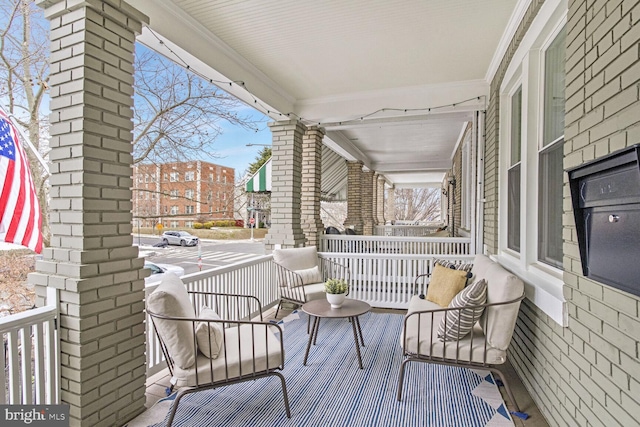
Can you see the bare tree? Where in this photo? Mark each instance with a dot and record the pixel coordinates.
(417, 204)
(177, 114)
(24, 73)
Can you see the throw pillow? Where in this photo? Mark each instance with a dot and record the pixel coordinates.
(310, 275)
(458, 323)
(445, 284)
(209, 336)
(450, 264)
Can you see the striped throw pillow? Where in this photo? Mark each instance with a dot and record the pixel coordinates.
(450, 264)
(458, 323)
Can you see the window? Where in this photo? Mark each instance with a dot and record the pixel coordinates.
(550, 157)
(209, 196)
(210, 177)
(189, 176)
(174, 210)
(188, 224)
(174, 177)
(175, 224)
(174, 194)
(513, 184)
(164, 176)
(531, 152)
(146, 177)
(189, 209)
(188, 194)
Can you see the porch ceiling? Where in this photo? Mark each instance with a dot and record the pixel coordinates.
(336, 62)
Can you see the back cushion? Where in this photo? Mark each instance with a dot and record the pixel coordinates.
(480, 265)
(296, 258)
(171, 299)
(501, 320)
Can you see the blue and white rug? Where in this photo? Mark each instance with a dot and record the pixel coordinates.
(332, 391)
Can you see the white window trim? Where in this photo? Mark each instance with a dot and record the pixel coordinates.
(543, 283)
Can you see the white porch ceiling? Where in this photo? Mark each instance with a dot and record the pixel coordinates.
(335, 62)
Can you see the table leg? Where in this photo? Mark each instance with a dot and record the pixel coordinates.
(360, 330)
(313, 328)
(355, 336)
(316, 328)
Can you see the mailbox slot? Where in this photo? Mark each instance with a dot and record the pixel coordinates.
(605, 194)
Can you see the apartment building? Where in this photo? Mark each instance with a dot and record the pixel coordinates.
(179, 194)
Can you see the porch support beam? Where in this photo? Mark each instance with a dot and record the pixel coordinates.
(311, 179)
(367, 202)
(354, 196)
(374, 186)
(92, 260)
(286, 185)
(391, 203)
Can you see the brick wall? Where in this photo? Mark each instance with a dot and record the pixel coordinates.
(152, 200)
(586, 374)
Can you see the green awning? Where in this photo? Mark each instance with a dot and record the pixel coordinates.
(261, 180)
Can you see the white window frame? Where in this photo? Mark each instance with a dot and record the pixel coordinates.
(189, 176)
(543, 282)
(174, 177)
(174, 210)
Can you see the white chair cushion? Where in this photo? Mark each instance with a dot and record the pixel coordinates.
(171, 299)
(469, 348)
(209, 335)
(310, 275)
(296, 258)
(238, 353)
(313, 291)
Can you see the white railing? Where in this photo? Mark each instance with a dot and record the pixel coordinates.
(405, 230)
(386, 280)
(253, 277)
(395, 245)
(29, 358)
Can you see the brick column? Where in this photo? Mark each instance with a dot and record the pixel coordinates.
(374, 185)
(286, 183)
(391, 204)
(380, 194)
(92, 260)
(311, 171)
(367, 202)
(354, 205)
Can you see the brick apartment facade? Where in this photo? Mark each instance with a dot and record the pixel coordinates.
(179, 194)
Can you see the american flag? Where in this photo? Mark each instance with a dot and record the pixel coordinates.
(20, 216)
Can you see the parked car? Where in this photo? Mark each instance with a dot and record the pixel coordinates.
(181, 238)
(159, 271)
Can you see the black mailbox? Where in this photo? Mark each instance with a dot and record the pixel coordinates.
(606, 205)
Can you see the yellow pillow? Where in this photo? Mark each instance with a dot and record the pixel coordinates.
(445, 284)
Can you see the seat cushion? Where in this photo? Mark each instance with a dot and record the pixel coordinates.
(424, 341)
(310, 275)
(209, 334)
(236, 357)
(458, 323)
(171, 299)
(296, 258)
(312, 292)
(445, 284)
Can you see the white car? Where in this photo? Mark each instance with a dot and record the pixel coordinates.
(181, 238)
(159, 271)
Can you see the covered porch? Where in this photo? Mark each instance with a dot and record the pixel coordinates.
(434, 104)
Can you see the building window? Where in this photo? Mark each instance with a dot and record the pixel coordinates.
(550, 156)
(189, 209)
(189, 176)
(174, 210)
(165, 176)
(188, 194)
(531, 177)
(175, 224)
(513, 175)
(188, 224)
(174, 194)
(174, 177)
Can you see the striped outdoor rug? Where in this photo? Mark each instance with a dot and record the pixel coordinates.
(332, 391)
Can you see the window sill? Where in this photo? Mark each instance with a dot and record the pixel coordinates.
(543, 286)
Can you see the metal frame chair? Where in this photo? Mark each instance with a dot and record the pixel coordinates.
(232, 308)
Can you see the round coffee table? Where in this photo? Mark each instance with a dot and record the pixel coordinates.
(321, 308)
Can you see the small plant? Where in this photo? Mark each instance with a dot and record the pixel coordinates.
(336, 286)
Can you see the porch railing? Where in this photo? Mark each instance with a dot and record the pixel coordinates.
(253, 277)
(395, 245)
(30, 361)
(386, 280)
(405, 230)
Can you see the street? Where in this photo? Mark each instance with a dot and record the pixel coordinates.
(214, 253)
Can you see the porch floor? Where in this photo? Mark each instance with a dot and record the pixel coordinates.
(158, 383)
